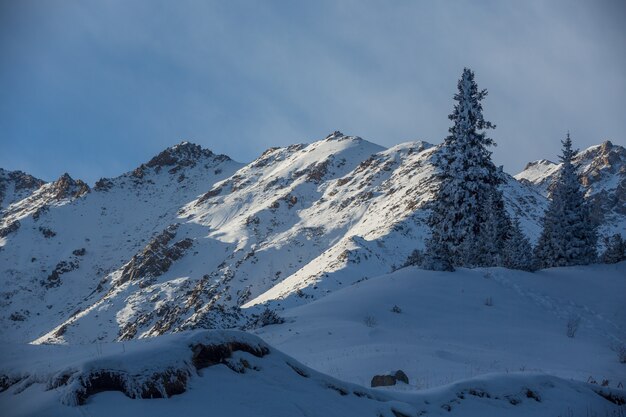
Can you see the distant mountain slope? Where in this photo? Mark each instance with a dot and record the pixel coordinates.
(195, 240)
(602, 170)
(71, 237)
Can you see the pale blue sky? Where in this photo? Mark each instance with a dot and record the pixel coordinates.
(96, 88)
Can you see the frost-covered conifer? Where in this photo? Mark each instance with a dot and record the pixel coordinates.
(569, 235)
(488, 249)
(517, 249)
(468, 205)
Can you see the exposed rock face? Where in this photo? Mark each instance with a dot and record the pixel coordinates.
(10, 228)
(54, 279)
(175, 158)
(401, 376)
(156, 258)
(383, 381)
(602, 171)
(16, 185)
(103, 184)
(67, 187)
(389, 380)
(81, 383)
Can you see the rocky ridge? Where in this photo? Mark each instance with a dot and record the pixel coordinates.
(191, 239)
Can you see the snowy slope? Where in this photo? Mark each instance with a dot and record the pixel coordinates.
(233, 373)
(602, 170)
(459, 325)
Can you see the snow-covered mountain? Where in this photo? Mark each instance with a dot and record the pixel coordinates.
(602, 171)
(191, 239)
(70, 237)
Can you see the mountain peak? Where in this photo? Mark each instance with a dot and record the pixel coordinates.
(16, 185)
(539, 163)
(66, 187)
(183, 154)
(335, 135)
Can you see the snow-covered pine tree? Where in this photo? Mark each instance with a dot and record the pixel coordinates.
(488, 250)
(569, 235)
(615, 250)
(463, 219)
(437, 256)
(517, 249)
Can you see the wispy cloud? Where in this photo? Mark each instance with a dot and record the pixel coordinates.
(95, 88)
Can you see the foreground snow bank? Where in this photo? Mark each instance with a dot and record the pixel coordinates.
(235, 373)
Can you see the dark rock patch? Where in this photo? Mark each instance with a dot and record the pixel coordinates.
(47, 233)
(389, 380)
(11, 228)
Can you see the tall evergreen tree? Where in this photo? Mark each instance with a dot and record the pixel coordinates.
(468, 212)
(569, 235)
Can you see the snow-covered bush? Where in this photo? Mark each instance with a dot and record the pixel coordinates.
(396, 309)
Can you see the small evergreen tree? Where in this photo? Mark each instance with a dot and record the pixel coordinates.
(615, 250)
(569, 235)
(468, 214)
(517, 249)
(489, 249)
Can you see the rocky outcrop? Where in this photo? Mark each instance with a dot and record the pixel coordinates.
(103, 184)
(389, 380)
(63, 267)
(67, 187)
(16, 185)
(79, 384)
(155, 259)
(177, 157)
(10, 228)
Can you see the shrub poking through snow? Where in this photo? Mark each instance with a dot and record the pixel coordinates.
(620, 349)
(572, 325)
(266, 318)
(416, 258)
(370, 321)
